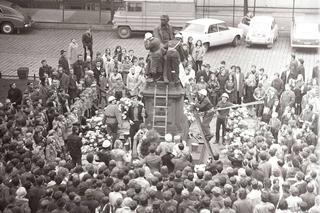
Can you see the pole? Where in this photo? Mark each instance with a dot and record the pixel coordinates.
(63, 11)
(203, 6)
(254, 7)
(233, 12)
(100, 4)
(293, 8)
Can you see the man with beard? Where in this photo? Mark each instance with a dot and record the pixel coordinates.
(164, 32)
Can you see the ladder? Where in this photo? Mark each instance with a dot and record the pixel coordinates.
(157, 117)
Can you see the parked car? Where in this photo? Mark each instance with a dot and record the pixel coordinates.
(305, 32)
(12, 17)
(144, 15)
(212, 32)
(262, 30)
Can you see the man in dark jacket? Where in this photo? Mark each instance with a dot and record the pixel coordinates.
(301, 69)
(277, 83)
(155, 57)
(63, 62)
(74, 144)
(78, 68)
(136, 115)
(35, 194)
(44, 69)
(64, 80)
(87, 42)
(204, 105)
(15, 95)
(222, 116)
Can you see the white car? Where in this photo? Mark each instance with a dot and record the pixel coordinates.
(305, 32)
(212, 32)
(262, 30)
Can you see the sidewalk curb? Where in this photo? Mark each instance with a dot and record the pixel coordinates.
(73, 26)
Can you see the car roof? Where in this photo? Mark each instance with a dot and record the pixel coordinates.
(264, 19)
(5, 3)
(309, 19)
(159, 1)
(205, 21)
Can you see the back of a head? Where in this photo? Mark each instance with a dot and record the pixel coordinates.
(242, 193)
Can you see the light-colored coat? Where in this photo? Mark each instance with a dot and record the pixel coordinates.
(73, 51)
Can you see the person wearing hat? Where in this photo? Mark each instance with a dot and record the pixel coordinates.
(154, 70)
(204, 105)
(222, 116)
(63, 62)
(164, 32)
(112, 117)
(87, 42)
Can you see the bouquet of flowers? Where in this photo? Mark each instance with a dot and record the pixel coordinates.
(83, 103)
(188, 111)
(94, 140)
(124, 105)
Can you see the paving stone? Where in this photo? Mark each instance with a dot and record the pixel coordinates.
(28, 49)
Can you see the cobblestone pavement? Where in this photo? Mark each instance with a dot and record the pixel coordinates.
(28, 49)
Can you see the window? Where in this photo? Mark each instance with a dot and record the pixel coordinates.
(213, 28)
(190, 27)
(223, 27)
(134, 7)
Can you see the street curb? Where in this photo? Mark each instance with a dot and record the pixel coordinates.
(73, 26)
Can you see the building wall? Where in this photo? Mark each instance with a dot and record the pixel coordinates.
(263, 3)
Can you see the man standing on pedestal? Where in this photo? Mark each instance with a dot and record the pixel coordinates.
(155, 57)
(164, 32)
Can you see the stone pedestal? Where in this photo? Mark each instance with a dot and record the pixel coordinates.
(175, 106)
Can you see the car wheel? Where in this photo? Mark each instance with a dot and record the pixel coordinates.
(269, 46)
(206, 46)
(236, 41)
(7, 28)
(124, 32)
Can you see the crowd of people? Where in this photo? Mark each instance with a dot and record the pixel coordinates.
(43, 168)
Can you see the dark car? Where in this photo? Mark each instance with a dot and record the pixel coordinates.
(12, 17)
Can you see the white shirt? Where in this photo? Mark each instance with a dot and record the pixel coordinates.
(238, 80)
